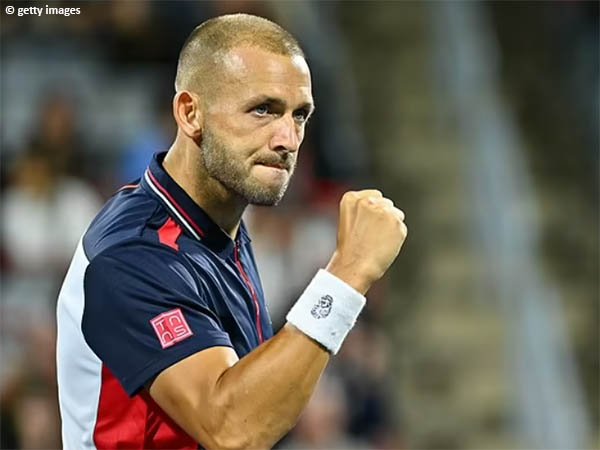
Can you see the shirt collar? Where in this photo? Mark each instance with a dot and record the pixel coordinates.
(186, 212)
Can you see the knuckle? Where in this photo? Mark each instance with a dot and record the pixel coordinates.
(378, 202)
(367, 201)
(371, 193)
(349, 196)
(390, 211)
(387, 202)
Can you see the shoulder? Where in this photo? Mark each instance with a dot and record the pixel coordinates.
(138, 263)
(127, 216)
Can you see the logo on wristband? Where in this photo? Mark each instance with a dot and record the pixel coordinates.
(322, 308)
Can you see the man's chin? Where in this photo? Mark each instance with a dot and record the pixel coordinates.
(265, 198)
(267, 187)
(265, 202)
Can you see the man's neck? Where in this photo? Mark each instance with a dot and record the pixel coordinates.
(185, 167)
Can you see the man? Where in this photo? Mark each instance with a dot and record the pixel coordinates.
(164, 339)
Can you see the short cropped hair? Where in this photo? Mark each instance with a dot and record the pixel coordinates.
(209, 41)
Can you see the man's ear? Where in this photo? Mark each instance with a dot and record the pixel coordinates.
(187, 113)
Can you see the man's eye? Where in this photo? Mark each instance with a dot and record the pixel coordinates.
(262, 110)
(301, 115)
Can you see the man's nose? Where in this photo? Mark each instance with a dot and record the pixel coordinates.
(286, 136)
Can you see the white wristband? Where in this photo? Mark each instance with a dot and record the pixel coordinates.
(327, 310)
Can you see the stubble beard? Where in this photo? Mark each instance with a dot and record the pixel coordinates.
(221, 165)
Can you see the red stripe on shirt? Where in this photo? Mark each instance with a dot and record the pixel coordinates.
(169, 233)
(175, 204)
(246, 279)
(134, 423)
(128, 186)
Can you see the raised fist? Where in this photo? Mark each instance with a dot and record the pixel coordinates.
(371, 232)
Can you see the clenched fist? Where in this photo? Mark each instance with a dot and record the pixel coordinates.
(371, 232)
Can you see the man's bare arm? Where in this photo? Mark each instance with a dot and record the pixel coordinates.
(250, 403)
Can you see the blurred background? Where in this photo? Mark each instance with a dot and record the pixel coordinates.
(480, 120)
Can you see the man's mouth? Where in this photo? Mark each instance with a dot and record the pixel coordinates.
(280, 166)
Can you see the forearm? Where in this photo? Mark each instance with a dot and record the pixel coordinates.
(264, 393)
(227, 403)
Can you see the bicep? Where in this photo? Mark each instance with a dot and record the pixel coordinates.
(187, 390)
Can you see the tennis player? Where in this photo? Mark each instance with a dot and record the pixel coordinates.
(164, 340)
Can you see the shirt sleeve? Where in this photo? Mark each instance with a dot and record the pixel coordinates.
(144, 311)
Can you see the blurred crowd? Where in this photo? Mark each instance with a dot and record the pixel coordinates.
(86, 102)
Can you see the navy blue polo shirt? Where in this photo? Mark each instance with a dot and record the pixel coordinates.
(152, 281)
(164, 282)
